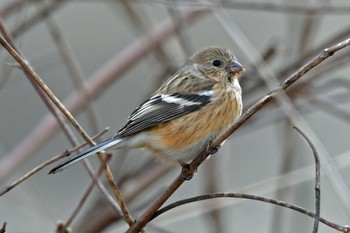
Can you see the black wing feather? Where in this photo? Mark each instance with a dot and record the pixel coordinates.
(159, 109)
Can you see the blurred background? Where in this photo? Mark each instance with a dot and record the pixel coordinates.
(103, 58)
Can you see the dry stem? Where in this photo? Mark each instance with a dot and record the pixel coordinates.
(72, 120)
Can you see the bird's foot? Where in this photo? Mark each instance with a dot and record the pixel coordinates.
(186, 171)
(211, 150)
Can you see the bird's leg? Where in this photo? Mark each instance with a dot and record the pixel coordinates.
(210, 150)
(186, 174)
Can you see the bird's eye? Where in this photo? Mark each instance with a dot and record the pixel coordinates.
(216, 63)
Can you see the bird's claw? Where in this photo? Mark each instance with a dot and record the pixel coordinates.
(186, 171)
(211, 150)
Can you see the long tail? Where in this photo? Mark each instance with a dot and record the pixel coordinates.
(85, 153)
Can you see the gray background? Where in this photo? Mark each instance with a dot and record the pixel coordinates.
(252, 160)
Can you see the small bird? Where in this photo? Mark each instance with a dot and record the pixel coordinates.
(195, 105)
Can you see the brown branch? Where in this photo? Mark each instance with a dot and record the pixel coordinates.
(255, 198)
(28, 69)
(67, 131)
(317, 179)
(147, 216)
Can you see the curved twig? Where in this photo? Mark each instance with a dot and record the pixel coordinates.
(251, 197)
(317, 178)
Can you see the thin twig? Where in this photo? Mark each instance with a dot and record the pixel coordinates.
(44, 87)
(72, 120)
(67, 131)
(317, 178)
(250, 197)
(58, 116)
(144, 219)
(46, 163)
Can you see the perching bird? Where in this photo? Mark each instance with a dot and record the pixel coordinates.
(200, 101)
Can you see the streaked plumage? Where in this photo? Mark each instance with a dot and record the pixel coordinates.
(189, 110)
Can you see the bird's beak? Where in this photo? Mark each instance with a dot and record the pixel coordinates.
(236, 67)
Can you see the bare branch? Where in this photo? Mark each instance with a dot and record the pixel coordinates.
(317, 178)
(251, 197)
(28, 69)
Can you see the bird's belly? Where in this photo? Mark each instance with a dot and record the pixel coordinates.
(183, 138)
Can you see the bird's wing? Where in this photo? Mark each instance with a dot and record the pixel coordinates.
(164, 107)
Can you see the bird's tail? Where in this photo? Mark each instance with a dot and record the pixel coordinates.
(85, 153)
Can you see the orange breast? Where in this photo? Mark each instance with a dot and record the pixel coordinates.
(182, 133)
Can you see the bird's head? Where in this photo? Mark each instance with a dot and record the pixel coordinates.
(217, 63)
